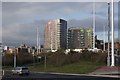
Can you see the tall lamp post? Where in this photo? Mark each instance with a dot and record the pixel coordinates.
(45, 62)
(108, 57)
(14, 58)
(37, 40)
(94, 24)
(104, 38)
(112, 25)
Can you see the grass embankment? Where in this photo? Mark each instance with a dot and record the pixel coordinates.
(7, 68)
(80, 67)
(73, 62)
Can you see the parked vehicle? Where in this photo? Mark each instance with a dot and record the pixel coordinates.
(20, 71)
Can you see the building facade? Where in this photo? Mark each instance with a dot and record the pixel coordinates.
(80, 38)
(55, 36)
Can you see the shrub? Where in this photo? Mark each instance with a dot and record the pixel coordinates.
(59, 58)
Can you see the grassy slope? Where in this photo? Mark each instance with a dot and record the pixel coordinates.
(80, 67)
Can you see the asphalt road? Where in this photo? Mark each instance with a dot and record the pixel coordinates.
(49, 76)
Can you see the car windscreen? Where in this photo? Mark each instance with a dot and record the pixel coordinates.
(17, 68)
(24, 68)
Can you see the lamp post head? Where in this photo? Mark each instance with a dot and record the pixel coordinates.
(108, 1)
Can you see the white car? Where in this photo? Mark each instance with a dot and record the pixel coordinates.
(20, 71)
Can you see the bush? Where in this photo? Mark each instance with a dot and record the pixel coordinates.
(59, 58)
(8, 59)
(56, 59)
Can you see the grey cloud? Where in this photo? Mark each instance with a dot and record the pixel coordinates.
(27, 32)
(23, 10)
(100, 22)
(20, 19)
(24, 33)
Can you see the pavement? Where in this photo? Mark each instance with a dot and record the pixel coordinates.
(107, 71)
(89, 74)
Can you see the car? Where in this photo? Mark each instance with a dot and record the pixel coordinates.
(20, 71)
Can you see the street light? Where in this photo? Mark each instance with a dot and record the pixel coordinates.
(108, 57)
(45, 63)
(94, 24)
(112, 23)
(104, 38)
(14, 58)
(37, 39)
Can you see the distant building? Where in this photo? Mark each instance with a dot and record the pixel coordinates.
(116, 45)
(0, 44)
(23, 46)
(80, 38)
(6, 48)
(23, 49)
(55, 36)
(11, 49)
(99, 43)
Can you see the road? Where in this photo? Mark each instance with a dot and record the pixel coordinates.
(49, 76)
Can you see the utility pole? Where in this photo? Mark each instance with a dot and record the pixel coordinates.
(37, 40)
(112, 23)
(104, 38)
(45, 63)
(108, 57)
(14, 58)
(51, 42)
(39, 44)
(94, 24)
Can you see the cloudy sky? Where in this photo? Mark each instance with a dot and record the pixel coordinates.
(21, 19)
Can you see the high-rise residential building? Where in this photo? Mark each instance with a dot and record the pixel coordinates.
(80, 38)
(55, 36)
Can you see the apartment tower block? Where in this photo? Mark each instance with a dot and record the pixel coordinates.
(55, 36)
(79, 38)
